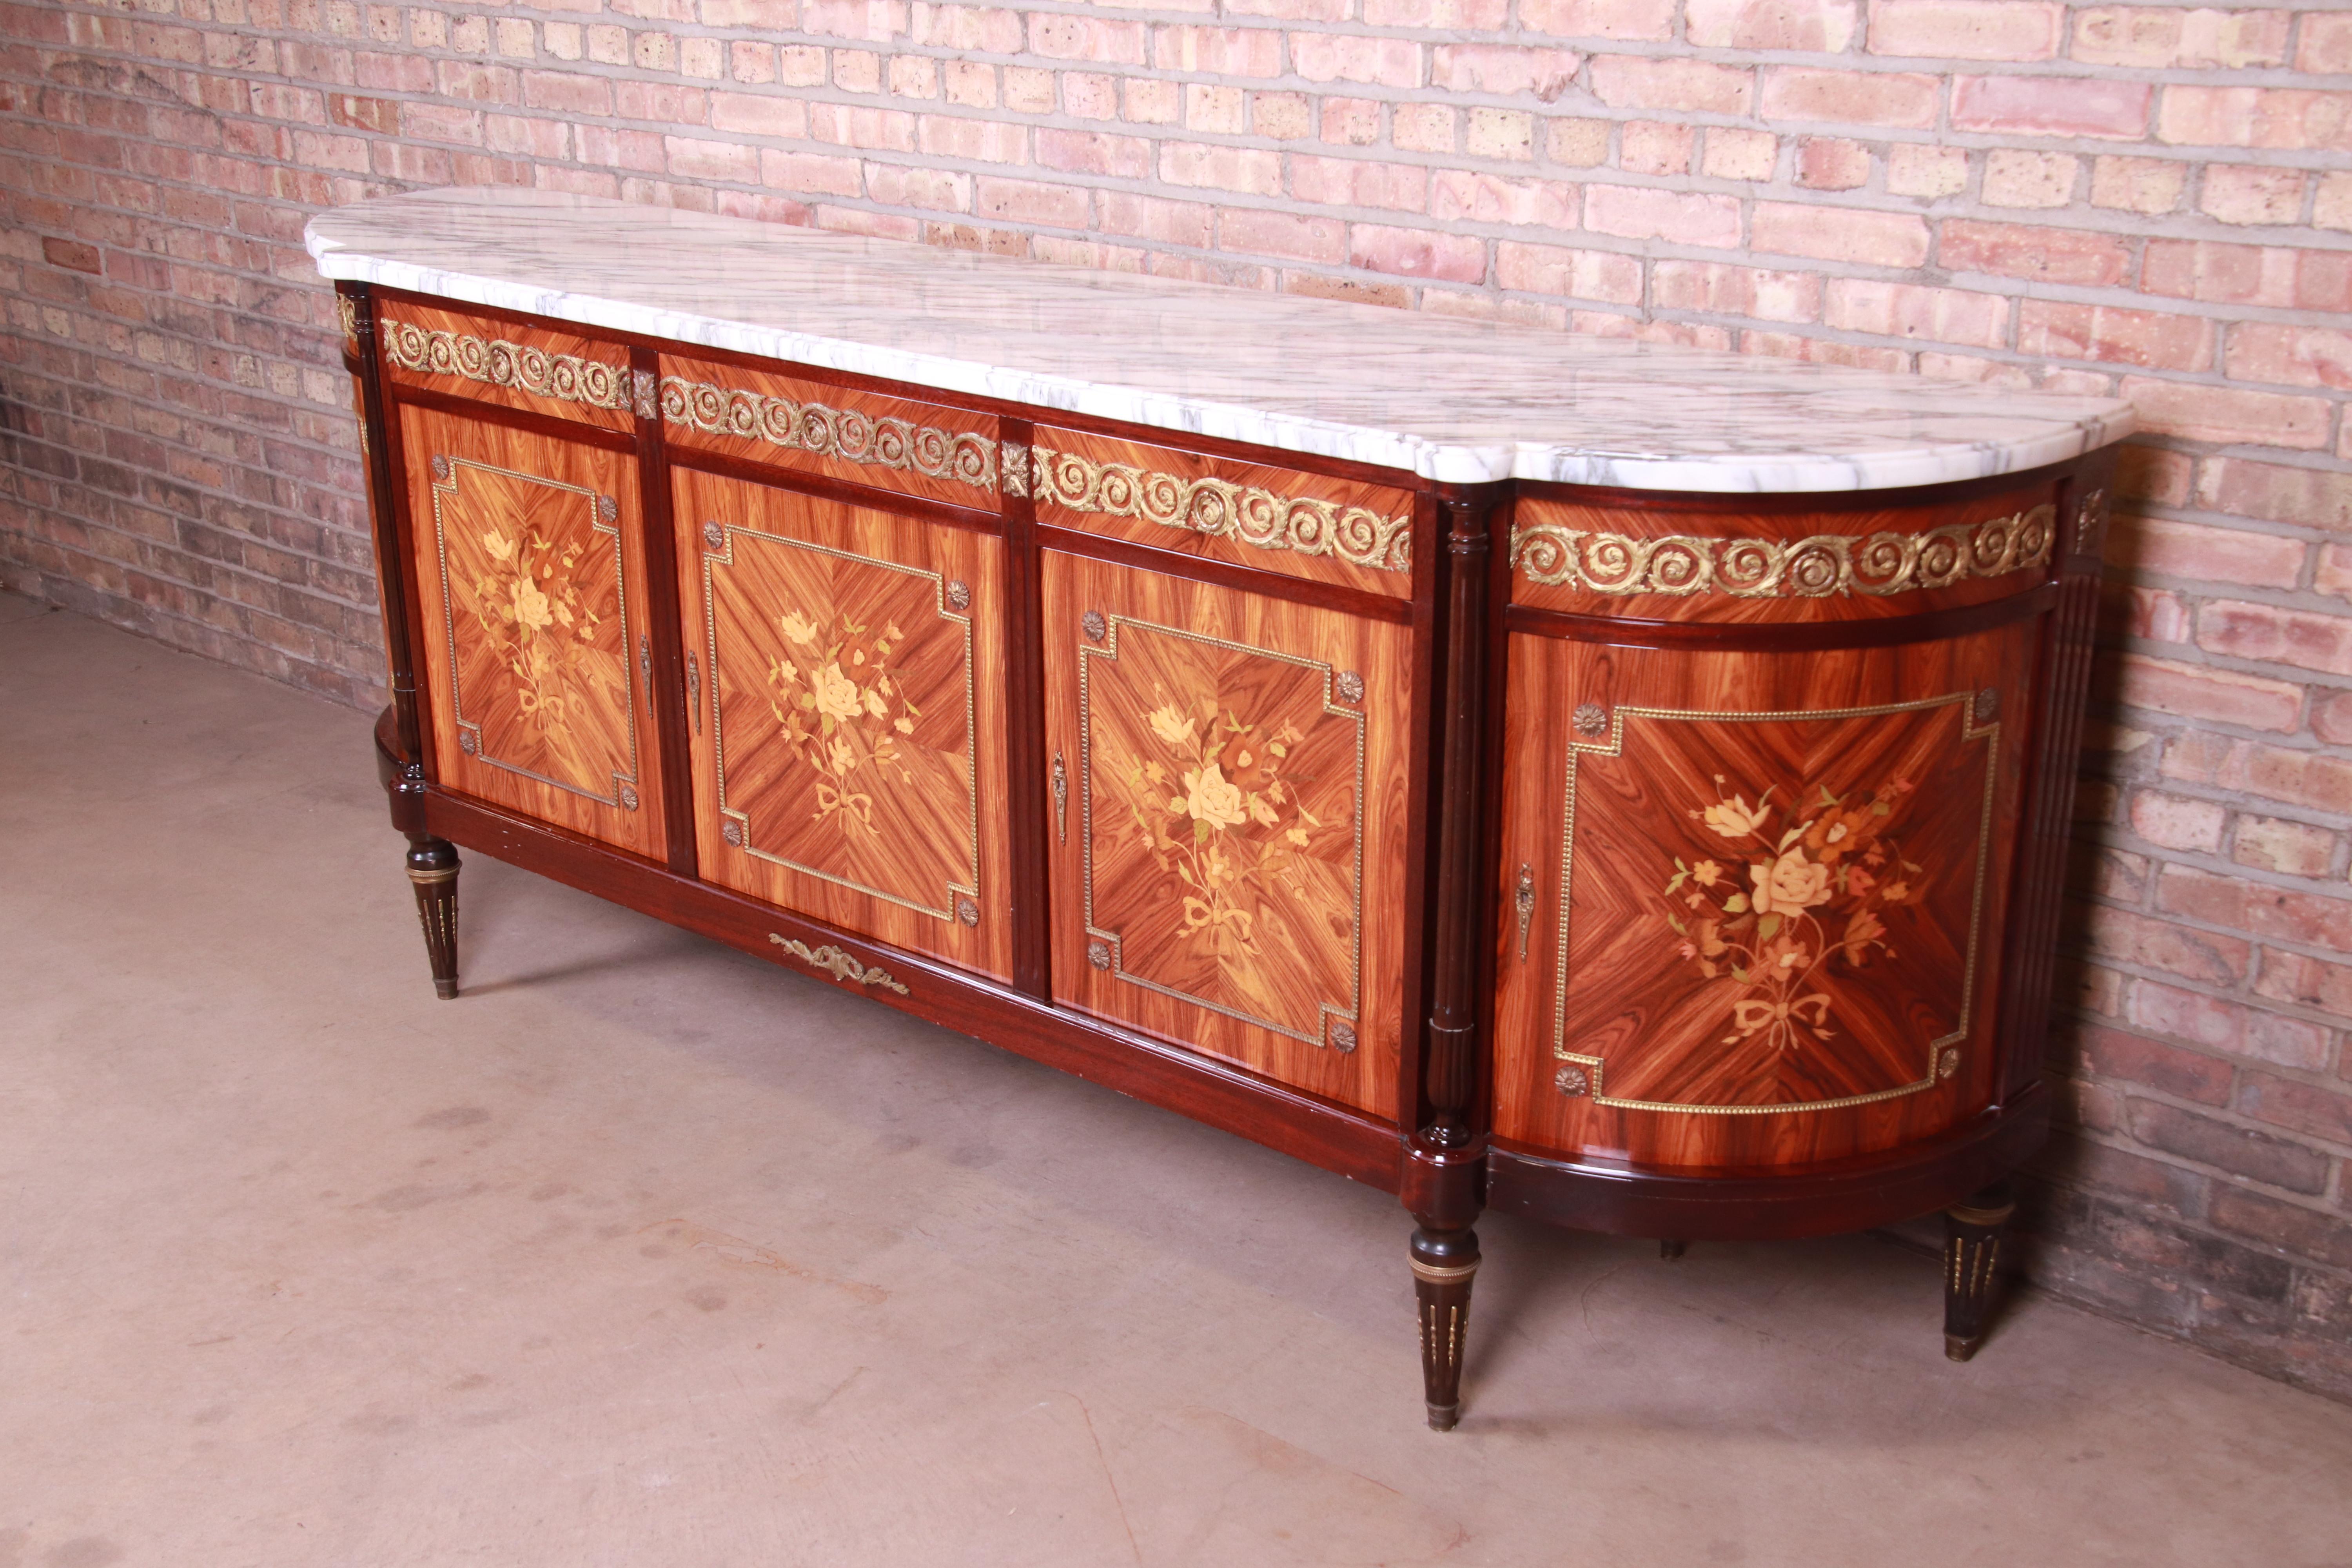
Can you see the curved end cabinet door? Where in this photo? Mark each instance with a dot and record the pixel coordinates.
(846, 671)
(1753, 902)
(531, 574)
(1229, 811)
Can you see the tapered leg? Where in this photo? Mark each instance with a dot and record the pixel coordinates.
(1444, 1262)
(1671, 1251)
(432, 868)
(1973, 1236)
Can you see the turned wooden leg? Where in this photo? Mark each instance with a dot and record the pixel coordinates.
(433, 867)
(1444, 1262)
(1671, 1251)
(1972, 1235)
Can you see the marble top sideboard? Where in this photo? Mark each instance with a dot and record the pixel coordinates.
(1450, 400)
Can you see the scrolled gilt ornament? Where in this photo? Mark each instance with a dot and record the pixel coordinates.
(1818, 566)
(824, 431)
(1222, 509)
(839, 965)
(495, 362)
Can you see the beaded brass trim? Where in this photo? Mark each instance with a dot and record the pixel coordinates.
(1223, 510)
(821, 431)
(1105, 950)
(1975, 727)
(495, 362)
(1815, 567)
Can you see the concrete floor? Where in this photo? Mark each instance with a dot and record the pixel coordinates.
(645, 1253)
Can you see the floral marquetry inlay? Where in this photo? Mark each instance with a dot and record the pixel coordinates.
(843, 722)
(1218, 789)
(537, 627)
(495, 362)
(1808, 939)
(1223, 509)
(1818, 566)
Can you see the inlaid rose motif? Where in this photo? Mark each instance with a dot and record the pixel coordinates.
(1767, 924)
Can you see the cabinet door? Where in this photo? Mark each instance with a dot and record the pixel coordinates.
(1229, 834)
(1754, 901)
(847, 672)
(530, 571)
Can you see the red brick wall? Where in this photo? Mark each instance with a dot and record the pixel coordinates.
(2154, 199)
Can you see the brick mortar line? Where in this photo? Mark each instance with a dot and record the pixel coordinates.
(227, 638)
(256, 466)
(149, 608)
(2326, 1198)
(2209, 863)
(2238, 994)
(2147, 1209)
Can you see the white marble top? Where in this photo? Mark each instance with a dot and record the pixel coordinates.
(1452, 400)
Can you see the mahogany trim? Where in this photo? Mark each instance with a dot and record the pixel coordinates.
(1025, 764)
(668, 631)
(1856, 1193)
(530, 421)
(423, 760)
(1307, 591)
(824, 487)
(1784, 636)
(1335, 1137)
(391, 568)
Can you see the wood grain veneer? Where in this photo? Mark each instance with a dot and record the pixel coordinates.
(531, 575)
(1654, 1001)
(848, 734)
(1228, 856)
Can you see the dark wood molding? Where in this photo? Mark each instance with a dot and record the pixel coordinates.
(667, 632)
(1026, 766)
(1782, 1204)
(2030, 954)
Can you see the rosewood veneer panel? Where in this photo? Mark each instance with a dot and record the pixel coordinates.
(531, 575)
(1228, 844)
(848, 679)
(1786, 880)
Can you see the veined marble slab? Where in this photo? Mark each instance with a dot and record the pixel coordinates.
(1450, 400)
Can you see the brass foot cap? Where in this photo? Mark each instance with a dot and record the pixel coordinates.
(1442, 1417)
(445, 989)
(1958, 1349)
